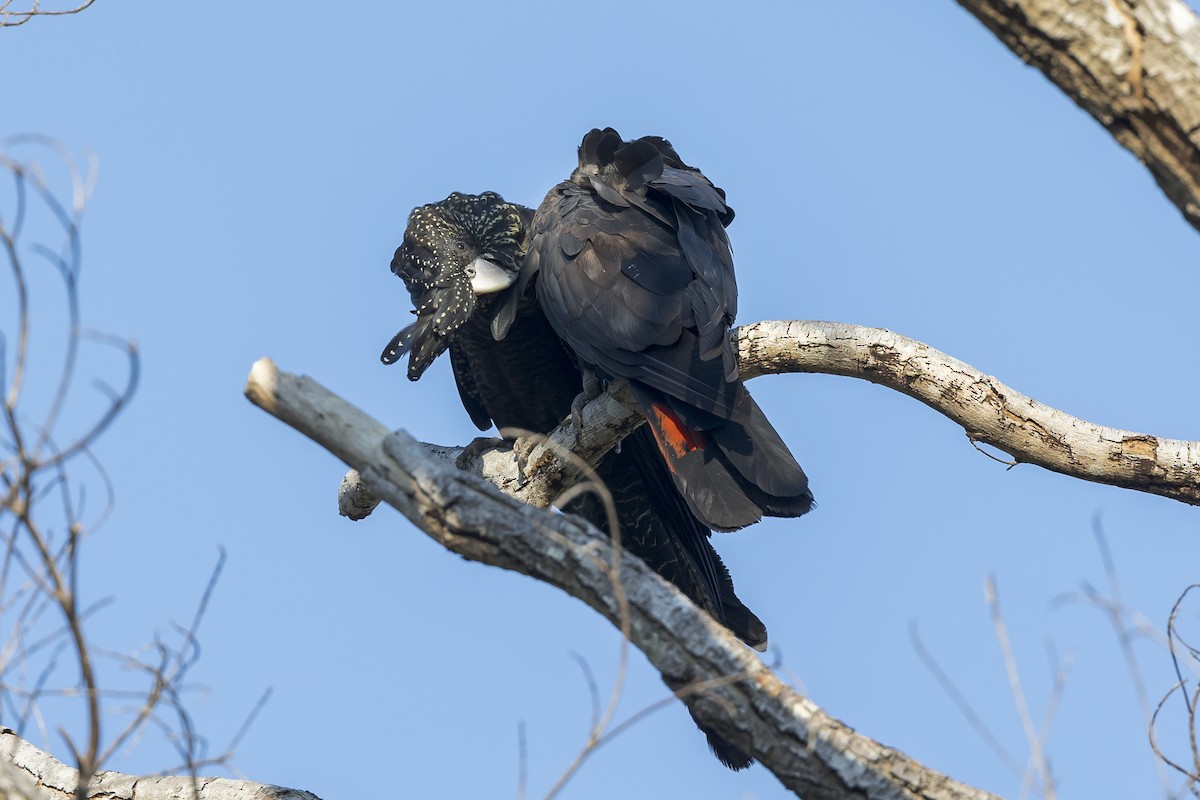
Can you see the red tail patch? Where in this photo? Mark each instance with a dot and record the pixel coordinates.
(674, 438)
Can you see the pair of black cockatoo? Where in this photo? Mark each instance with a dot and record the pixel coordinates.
(625, 271)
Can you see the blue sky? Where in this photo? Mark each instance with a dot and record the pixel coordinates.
(891, 165)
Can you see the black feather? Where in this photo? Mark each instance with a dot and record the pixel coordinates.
(512, 369)
(638, 163)
(634, 271)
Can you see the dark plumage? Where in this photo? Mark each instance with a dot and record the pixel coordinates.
(529, 379)
(444, 265)
(633, 270)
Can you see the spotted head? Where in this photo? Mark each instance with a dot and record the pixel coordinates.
(453, 251)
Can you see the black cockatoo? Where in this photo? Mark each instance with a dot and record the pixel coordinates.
(634, 271)
(455, 254)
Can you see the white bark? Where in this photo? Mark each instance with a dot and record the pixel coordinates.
(989, 412)
(422, 482)
(1134, 65)
(720, 679)
(27, 773)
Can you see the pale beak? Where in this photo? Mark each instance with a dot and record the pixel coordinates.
(486, 277)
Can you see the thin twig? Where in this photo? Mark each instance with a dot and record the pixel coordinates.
(1114, 608)
(593, 689)
(11, 19)
(44, 548)
(592, 483)
(1191, 776)
(960, 701)
(522, 761)
(1037, 756)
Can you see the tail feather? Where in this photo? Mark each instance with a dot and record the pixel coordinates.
(730, 472)
(690, 562)
(709, 486)
(674, 543)
(726, 752)
(773, 478)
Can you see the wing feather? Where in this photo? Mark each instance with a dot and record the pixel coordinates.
(638, 297)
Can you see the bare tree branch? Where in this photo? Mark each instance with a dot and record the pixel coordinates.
(1134, 65)
(811, 753)
(427, 492)
(988, 410)
(10, 18)
(27, 773)
(41, 545)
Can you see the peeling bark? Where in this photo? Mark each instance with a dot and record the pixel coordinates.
(989, 412)
(1134, 66)
(27, 773)
(720, 679)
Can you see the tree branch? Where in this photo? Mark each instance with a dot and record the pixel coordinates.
(1133, 65)
(989, 411)
(720, 679)
(27, 773)
(10, 18)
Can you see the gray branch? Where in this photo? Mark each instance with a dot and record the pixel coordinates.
(989, 412)
(27, 773)
(1134, 65)
(755, 711)
(720, 679)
